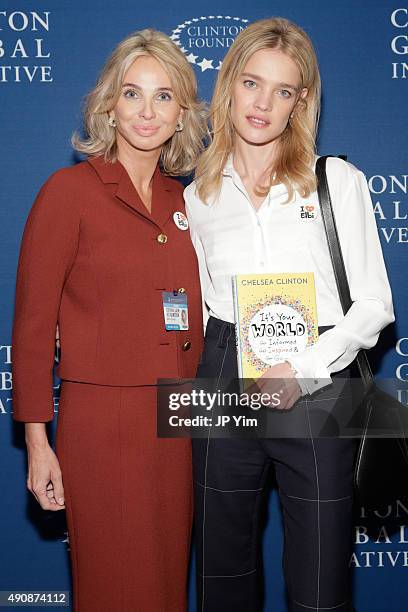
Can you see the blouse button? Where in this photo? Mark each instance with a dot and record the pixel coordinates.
(186, 346)
(162, 238)
(181, 290)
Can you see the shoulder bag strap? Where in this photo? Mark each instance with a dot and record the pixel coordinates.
(337, 259)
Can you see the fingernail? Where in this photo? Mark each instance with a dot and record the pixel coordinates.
(61, 501)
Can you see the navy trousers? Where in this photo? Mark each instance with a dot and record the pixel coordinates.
(314, 480)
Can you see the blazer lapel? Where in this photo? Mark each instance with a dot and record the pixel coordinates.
(127, 193)
(164, 201)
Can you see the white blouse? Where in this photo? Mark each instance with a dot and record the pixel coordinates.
(231, 237)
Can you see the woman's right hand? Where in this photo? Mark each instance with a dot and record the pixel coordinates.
(44, 478)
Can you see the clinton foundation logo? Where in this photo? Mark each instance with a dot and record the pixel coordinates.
(205, 40)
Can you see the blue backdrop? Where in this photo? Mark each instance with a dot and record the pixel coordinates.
(50, 54)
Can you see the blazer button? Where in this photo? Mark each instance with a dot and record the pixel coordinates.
(186, 346)
(181, 290)
(162, 238)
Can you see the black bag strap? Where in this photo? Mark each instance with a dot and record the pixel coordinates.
(336, 255)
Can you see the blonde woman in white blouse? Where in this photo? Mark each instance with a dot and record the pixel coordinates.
(244, 210)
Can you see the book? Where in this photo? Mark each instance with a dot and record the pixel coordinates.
(275, 317)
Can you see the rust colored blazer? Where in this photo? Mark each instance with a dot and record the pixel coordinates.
(95, 261)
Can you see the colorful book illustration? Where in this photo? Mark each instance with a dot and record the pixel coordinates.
(275, 316)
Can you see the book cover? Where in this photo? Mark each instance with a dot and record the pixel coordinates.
(275, 316)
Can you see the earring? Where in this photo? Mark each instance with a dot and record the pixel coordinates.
(112, 122)
(290, 117)
(179, 126)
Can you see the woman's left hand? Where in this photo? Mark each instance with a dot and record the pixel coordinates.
(279, 379)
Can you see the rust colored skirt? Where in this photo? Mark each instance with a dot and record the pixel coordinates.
(128, 499)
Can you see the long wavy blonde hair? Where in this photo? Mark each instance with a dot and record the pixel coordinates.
(179, 154)
(296, 145)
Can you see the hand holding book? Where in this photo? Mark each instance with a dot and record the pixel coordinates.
(278, 379)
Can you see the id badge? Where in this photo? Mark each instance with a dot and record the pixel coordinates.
(175, 311)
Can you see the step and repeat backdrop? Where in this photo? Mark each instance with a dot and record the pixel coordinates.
(50, 54)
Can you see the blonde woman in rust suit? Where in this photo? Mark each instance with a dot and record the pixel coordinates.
(101, 244)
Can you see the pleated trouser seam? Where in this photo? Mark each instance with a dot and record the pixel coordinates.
(317, 508)
(206, 463)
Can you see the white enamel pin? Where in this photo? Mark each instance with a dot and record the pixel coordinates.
(180, 220)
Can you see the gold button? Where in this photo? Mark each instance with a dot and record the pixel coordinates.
(181, 290)
(186, 346)
(162, 238)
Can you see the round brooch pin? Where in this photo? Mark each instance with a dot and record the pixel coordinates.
(180, 220)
